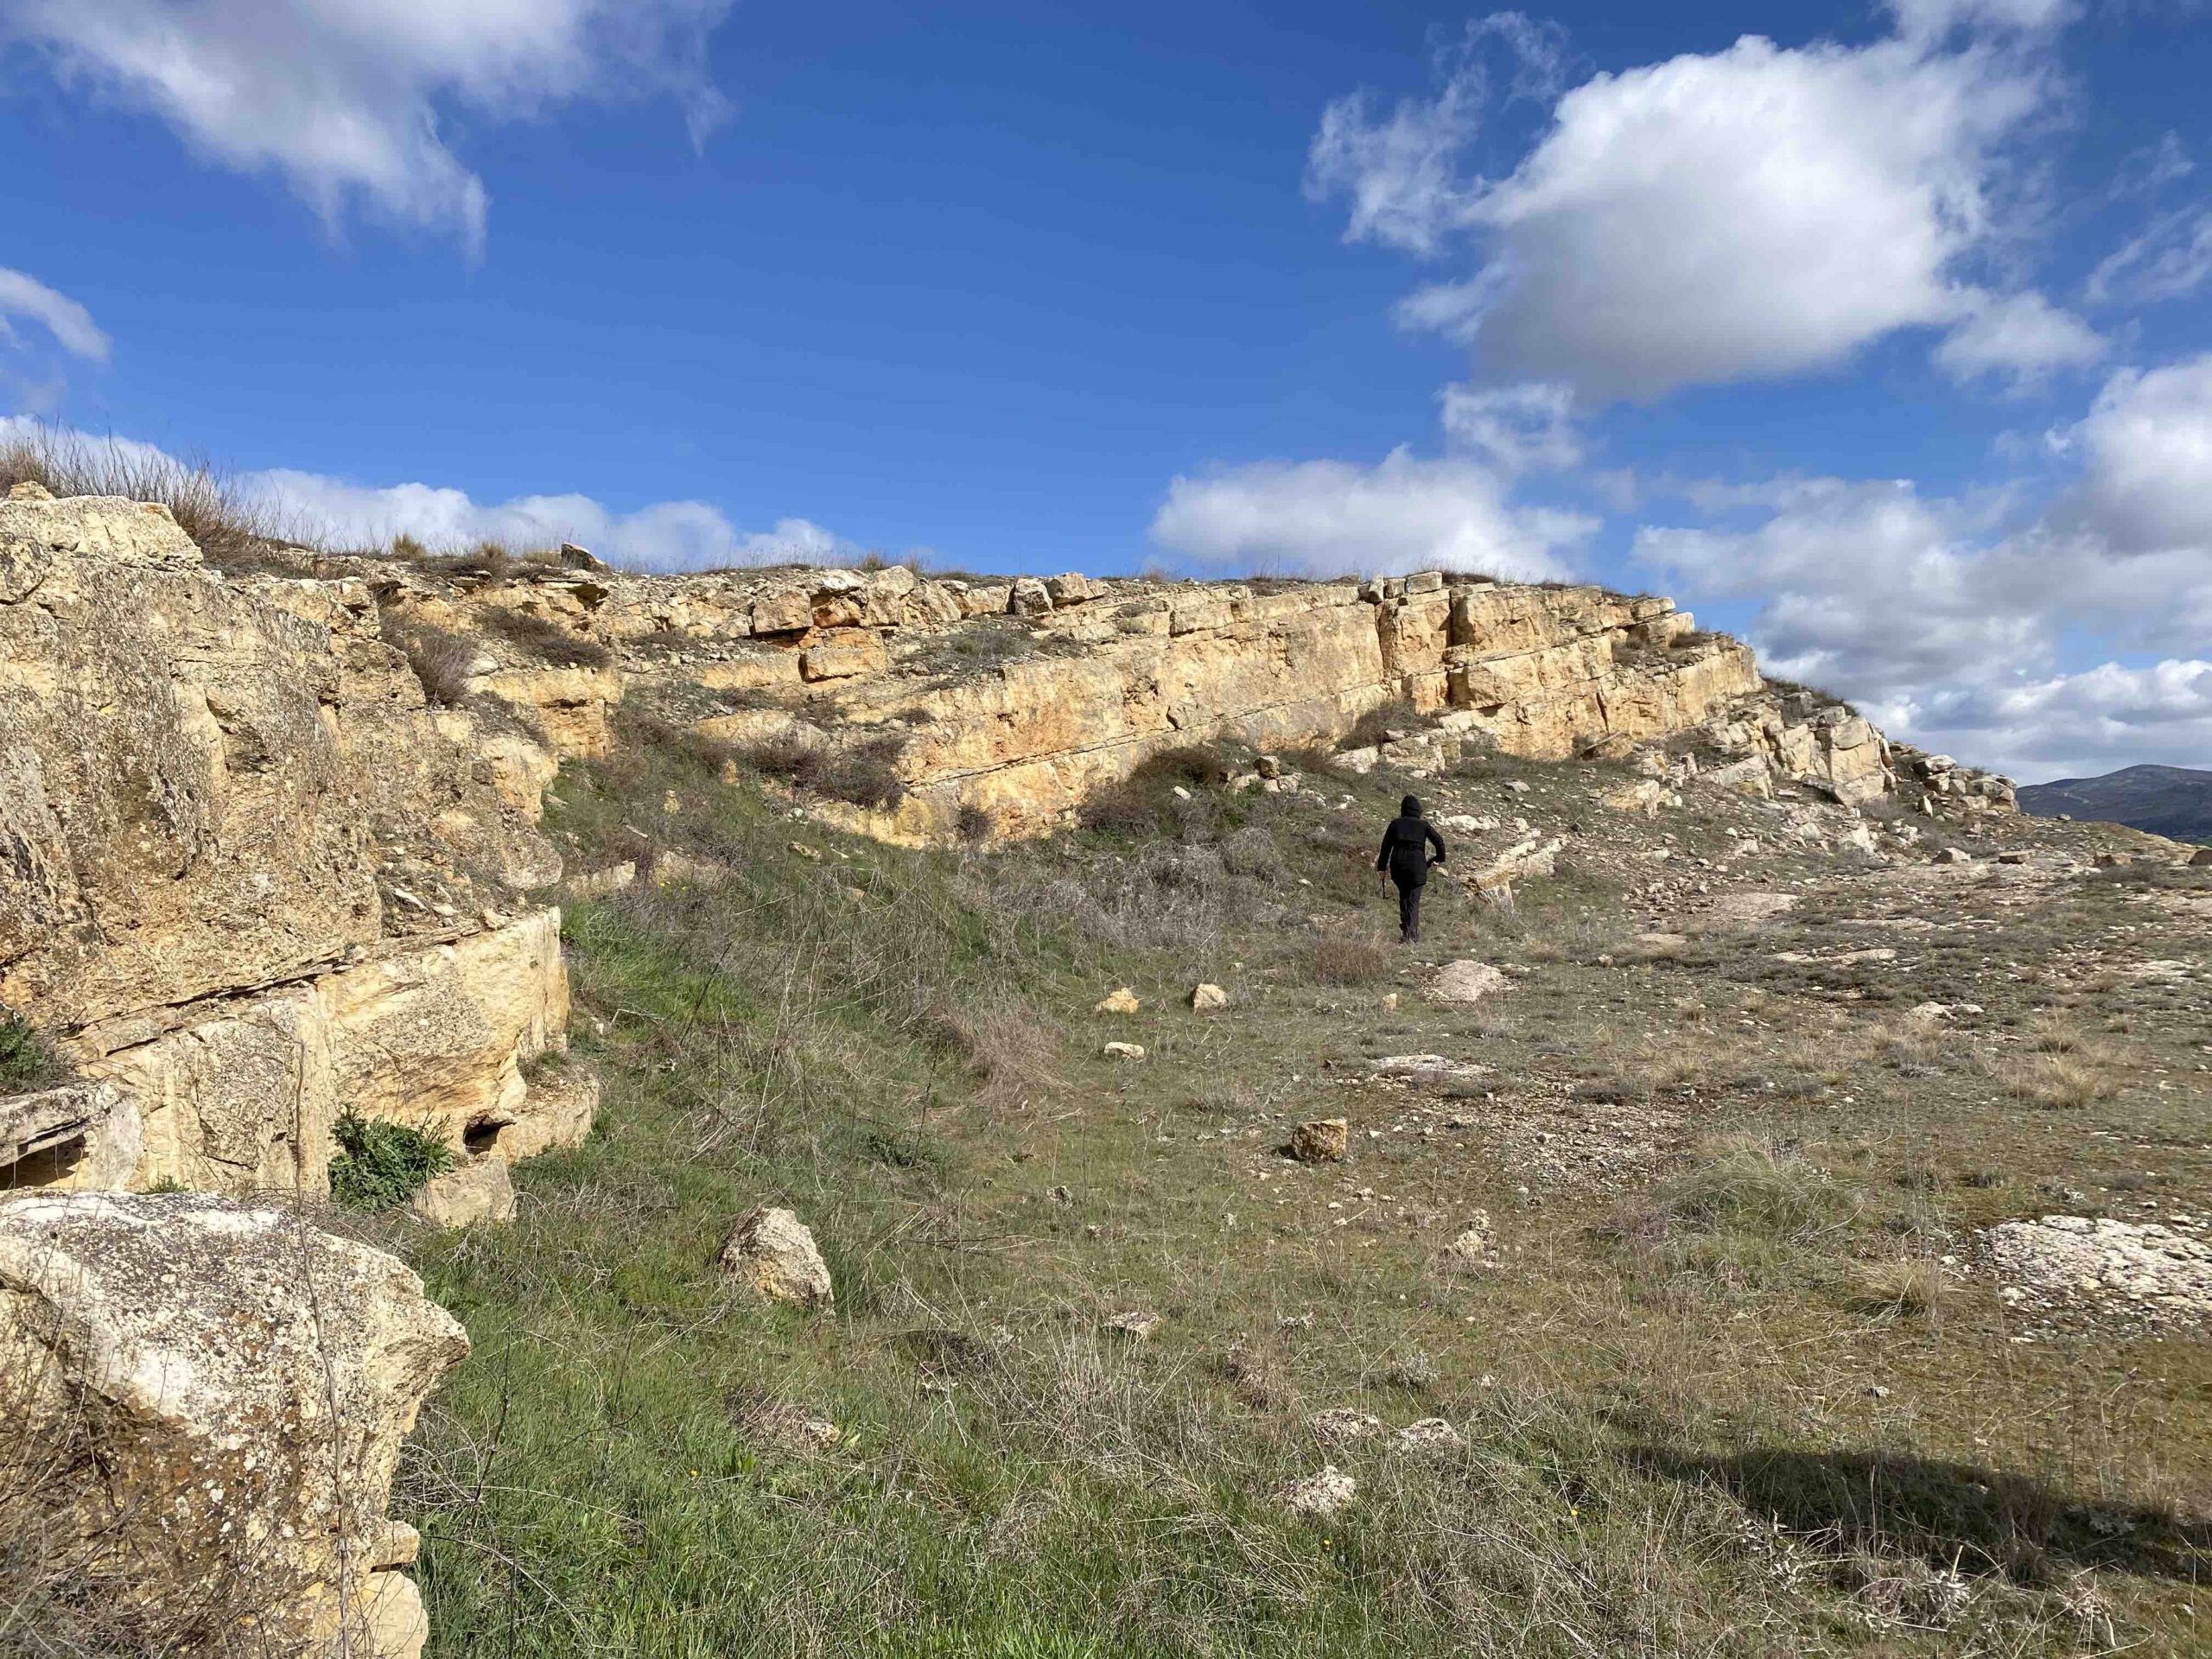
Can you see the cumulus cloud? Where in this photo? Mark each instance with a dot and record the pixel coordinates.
(1967, 620)
(1331, 518)
(2022, 338)
(343, 98)
(1756, 212)
(2145, 447)
(2071, 725)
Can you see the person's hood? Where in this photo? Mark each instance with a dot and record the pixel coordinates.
(1410, 807)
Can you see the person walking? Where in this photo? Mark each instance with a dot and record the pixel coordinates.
(1404, 861)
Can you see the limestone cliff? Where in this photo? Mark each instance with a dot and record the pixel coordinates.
(1004, 706)
(260, 865)
(247, 871)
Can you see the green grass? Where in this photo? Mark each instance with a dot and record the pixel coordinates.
(1665, 1453)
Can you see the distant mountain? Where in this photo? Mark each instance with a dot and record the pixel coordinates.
(2165, 800)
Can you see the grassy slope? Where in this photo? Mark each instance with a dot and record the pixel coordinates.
(1666, 1389)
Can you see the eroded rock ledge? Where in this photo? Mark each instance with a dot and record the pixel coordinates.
(249, 873)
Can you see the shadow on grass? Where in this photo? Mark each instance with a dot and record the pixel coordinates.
(1982, 1520)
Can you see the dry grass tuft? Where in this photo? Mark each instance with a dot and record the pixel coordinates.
(1350, 959)
(233, 527)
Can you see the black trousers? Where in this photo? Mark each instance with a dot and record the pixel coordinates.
(1408, 910)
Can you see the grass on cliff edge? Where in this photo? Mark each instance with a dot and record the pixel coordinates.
(1672, 1440)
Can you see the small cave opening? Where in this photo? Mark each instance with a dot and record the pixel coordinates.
(46, 1167)
(482, 1134)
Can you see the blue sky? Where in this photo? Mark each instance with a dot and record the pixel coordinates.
(1876, 333)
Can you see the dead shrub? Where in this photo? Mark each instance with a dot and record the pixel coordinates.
(441, 659)
(233, 528)
(1350, 959)
(863, 774)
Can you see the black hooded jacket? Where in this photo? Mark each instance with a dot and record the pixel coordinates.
(1405, 845)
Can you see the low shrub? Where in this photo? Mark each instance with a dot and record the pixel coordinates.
(864, 773)
(380, 1164)
(1350, 959)
(27, 1060)
(1375, 726)
(441, 658)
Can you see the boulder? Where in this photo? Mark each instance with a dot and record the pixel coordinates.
(1070, 588)
(1122, 1002)
(1209, 999)
(1467, 983)
(1324, 1141)
(479, 1190)
(1029, 597)
(215, 1395)
(772, 1251)
(1131, 1052)
(1430, 1437)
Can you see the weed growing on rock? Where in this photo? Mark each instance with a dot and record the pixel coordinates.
(27, 1061)
(381, 1164)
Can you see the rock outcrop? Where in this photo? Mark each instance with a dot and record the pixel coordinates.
(205, 1404)
(249, 872)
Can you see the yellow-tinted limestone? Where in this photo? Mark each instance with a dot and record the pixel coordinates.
(247, 872)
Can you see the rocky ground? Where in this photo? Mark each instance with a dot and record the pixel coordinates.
(1788, 1241)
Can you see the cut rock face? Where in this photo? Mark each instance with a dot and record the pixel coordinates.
(224, 1390)
(772, 1251)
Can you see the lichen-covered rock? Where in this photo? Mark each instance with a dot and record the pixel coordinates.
(1468, 982)
(215, 1396)
(772, 1251)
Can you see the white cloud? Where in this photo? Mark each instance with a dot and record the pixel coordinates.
(71, 325)
(1330, 518)
(2171, 259)
(2022, 337)
(1979, 623)
(665, 535)
(2147, 452)
(1756, 212)
(2082, 724)
(344, 97)
(1518, 427)
(1932, 19)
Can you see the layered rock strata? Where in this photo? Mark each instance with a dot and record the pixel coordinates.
(1008, 705)
(249, 873)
